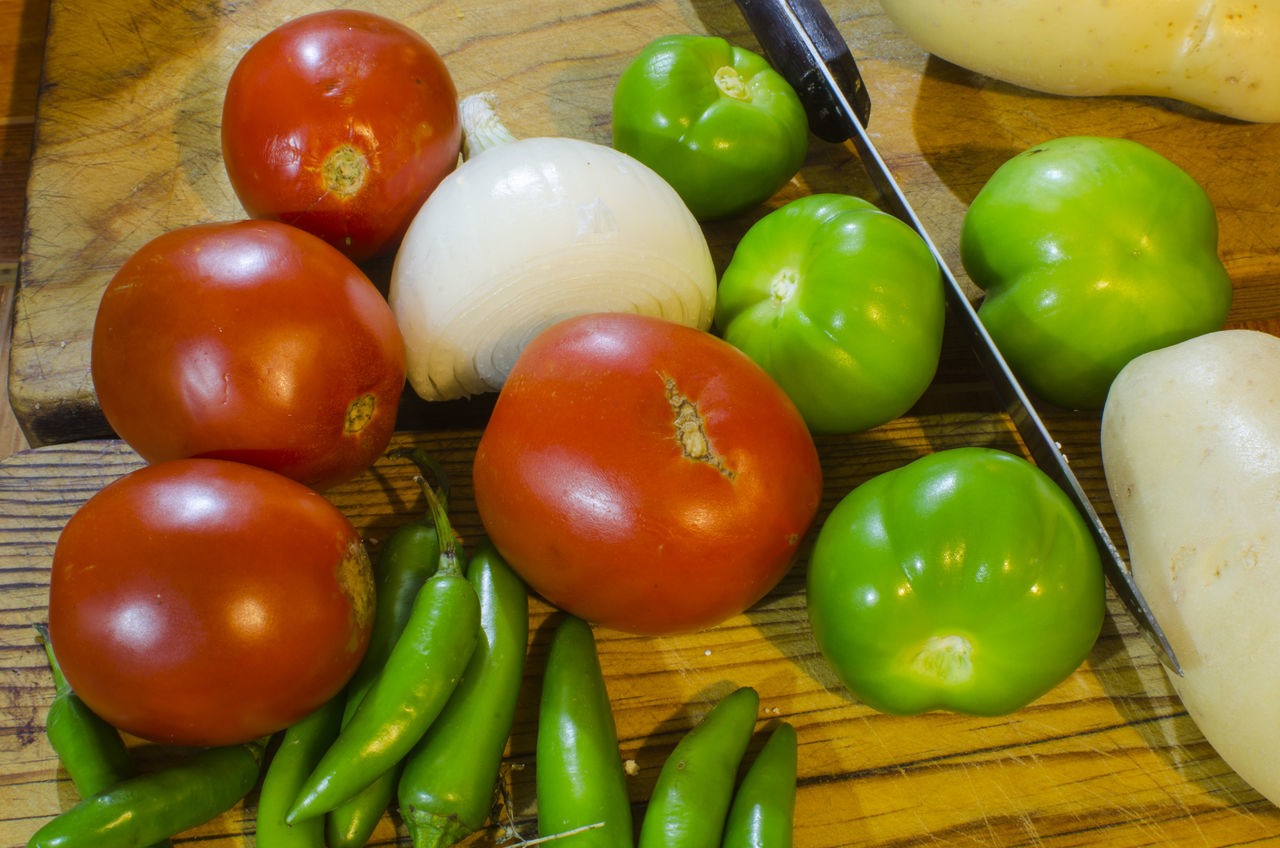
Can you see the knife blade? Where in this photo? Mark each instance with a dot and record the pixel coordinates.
(804, 45)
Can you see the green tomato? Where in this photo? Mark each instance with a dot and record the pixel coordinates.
(1092, 251)
(965, 580)
(714, 120)
(842, 304)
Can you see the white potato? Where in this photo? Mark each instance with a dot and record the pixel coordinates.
(1218, 55)
(1191, 450)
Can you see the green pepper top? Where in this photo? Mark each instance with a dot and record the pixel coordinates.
(1092, 251)
(714, 120)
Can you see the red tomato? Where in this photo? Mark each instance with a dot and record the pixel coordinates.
(644, 475)
(341, 123)
(252, 341)
(204, 602)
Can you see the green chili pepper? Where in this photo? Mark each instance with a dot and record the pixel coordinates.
(297, 755)
(763, 811)
(408, 558)
(351, 824)
(580, 782)
(695, 787)
(447, 785)
(411, 689)
(90, 749)
(152, 807)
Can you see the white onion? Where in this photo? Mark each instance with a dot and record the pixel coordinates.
(531, 231)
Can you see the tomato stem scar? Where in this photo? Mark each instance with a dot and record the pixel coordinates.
(344, 170)
(691, 435)
(359, 413)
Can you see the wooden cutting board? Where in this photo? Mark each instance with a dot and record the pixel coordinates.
(127, 147)
(1109, 757)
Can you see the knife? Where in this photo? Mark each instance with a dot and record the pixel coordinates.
(803, 44)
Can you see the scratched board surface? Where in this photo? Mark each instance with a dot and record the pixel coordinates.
(127, 147)
(1109, 757)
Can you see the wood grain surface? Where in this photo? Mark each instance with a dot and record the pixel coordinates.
(22, 36)
(1109, 757)
(127, 147)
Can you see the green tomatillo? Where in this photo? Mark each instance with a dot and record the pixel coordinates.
(842, 304)
(714, 120)
(1091, 251)
(965, 580)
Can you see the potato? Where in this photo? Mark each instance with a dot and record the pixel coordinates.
(1191, 451)
(1220, 56)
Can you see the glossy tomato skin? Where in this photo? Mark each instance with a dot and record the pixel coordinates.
(252, 341)
(206, 602)
(340, 122)
(645, 476)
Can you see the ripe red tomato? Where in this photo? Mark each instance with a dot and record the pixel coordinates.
(340, 122)
(644, 475)
(205, 602)
(252, 341)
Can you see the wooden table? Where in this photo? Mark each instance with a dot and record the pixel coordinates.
(126, 147)
(1109, 757)
(22, 37)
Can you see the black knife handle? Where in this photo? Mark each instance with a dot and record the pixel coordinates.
(793, 57)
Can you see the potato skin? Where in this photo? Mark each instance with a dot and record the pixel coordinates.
(1191, 450)
(1219, 56)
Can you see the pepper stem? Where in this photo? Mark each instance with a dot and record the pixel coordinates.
(450, 557)
(427, 464)
(432, 830)
(481, 126)
(437, 506)
(60, 684)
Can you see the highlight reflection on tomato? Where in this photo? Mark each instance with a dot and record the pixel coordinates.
(644, 475)
(205, 602)
(252, 341)
(340, 122)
